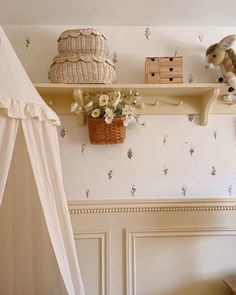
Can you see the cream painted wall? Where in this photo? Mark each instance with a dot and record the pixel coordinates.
(145, 171)
(198, 161)
(130, 45)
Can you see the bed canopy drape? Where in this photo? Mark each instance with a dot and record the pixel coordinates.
(37, 250)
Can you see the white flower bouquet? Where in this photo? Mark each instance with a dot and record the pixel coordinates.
(110, 106)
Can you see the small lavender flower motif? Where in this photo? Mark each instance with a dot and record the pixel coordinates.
(165, 170)
(87, 193)
(184, 190)
(147, 33)
(200, 36)
(230, 188)
(192, 150)
(83, 147)
(213, 171)
(190, 117)
(110, 174)
(27, 43)
(63, 132)
(49, 78)
(164, 139)
(115, 58)
(215, 133)
(177, 50)
(190, 79)
(133, 190)
(130, 153)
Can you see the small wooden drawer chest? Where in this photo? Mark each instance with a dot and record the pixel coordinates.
(164, 70)
(231, 283)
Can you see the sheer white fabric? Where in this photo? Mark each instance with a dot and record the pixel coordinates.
(37, 249)
(17, 95)
(42, 143)
(27, 262)
(8, 130)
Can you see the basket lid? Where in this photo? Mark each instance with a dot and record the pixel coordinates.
(76, 32)
(82, 57)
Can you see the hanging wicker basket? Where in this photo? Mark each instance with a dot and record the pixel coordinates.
(102, 133)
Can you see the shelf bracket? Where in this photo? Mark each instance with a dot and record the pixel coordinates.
(78, 96)
(207, 102)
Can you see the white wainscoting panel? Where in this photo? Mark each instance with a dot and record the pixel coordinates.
(155, 247)
(183, 261)
(93, 253)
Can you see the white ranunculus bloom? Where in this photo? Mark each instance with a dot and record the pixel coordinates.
(113, 95)
(126, 122)
(109, 118)
(115, 101)
(103, 100)
(127, 110)
(74, 106)
(140, 105)
(109, 111)
(128, 118)
(88, 106)
(95, 113)
(79, 110)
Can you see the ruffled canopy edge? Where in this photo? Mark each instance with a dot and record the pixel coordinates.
(84, 32)
(20, 109)
(82, 57)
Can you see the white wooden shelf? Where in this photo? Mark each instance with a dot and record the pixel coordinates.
(203, 99)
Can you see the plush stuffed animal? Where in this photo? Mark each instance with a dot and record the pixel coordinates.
(220, 54)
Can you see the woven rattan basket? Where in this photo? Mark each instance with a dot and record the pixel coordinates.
(83, 41)
(73, 68)
(102, 133)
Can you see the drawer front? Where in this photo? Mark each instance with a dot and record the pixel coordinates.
(152, 64)
(170, 61)
(152, 78)
(171, 74)
(171, 80)
(170, 70)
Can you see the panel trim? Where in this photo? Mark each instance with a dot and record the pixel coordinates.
(133, 234)
(140, 206)
(103, 237)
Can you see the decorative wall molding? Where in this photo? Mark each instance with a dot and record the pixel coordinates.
(103, 237)
(140, 206)
(133, 234)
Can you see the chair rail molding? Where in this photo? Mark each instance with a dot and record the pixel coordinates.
(147, 205)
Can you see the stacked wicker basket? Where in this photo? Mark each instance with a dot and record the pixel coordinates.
(83, 58)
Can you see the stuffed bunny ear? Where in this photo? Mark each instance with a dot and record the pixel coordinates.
(227, 41)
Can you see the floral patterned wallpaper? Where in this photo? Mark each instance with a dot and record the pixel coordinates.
(173, 157)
